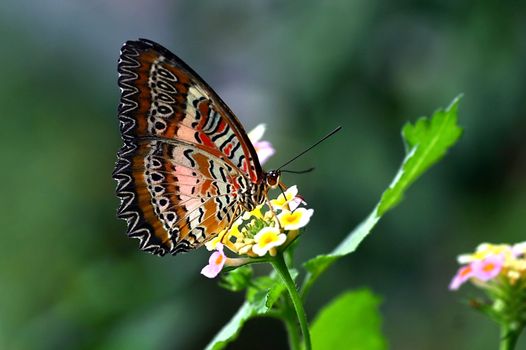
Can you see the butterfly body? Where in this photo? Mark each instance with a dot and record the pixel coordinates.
(187, 169)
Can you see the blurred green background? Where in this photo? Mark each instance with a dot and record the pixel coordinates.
(70, 279)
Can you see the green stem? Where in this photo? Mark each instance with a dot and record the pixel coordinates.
(281, 268)
(509, 336)
(292, 330)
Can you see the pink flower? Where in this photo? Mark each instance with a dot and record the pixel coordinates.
(296, 202)
(463, 274)
(519, 249)
(215, 263)
(488, 268)
(264, 150)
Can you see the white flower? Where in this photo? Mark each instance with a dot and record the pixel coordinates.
(519, 249)
(293, 220)
(266, 239)
(287, 198)
(257, 133)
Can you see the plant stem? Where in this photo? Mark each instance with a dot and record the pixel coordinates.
(509, 336)
(292, 330)
(281, 268)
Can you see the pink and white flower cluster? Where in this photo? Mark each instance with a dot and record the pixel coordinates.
(258, 233)
(490, 262)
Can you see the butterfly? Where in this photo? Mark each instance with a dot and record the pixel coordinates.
(187, 169)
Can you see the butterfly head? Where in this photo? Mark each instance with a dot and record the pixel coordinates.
(272, 178)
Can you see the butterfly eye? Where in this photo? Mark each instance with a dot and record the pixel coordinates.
(273, 178)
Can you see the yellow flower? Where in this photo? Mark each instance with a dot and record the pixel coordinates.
(267, 239)
(245, 249)
(212, 244)
(516, 268)
(255, 212)
(234, 231)
(296, 219)
(224, 236)
(283, 199)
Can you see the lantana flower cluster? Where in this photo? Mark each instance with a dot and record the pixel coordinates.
(261, 232)
(500, 271)
(492, 263)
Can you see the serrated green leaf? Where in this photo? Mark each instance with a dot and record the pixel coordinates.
(273, 294)
(426, 142)
(263, 300)
(259, 301)
(266, 290)
(257, 294)
(238, 279)
(278, 288)
(350, 321)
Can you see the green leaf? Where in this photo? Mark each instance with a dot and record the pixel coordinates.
(426, 142)
(351, 321)
(263, 293)
(231, 330)
(266, 290)
(238, 279)
(258, 303)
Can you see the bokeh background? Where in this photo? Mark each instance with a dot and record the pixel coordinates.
(70, 279)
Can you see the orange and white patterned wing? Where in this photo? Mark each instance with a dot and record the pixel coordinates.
(186, 165)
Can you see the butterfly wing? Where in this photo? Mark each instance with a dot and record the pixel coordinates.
(185, 155)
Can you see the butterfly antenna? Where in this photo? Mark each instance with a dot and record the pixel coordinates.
(298, 171)
(311, 147)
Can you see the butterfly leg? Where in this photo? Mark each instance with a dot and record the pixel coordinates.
(282, 186)
(273, 212)
(283, 189)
